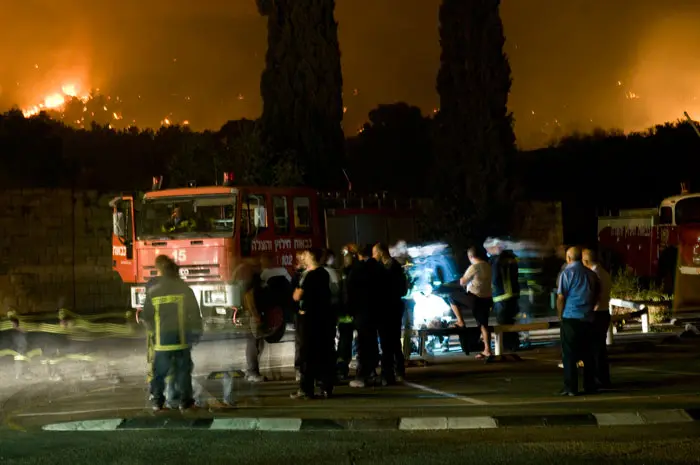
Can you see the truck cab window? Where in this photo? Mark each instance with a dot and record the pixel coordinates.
(666, 215)
(253, 214)
(281, 213)
(302, 215)
(688, 210)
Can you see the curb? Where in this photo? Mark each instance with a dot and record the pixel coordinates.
(629, 418)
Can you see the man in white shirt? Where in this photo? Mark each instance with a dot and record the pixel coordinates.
(601, 321)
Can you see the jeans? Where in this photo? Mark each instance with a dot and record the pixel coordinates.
(181, 363)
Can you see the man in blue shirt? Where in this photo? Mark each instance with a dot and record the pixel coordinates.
(577, 296)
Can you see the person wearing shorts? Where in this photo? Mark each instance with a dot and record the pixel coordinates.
(477, 283)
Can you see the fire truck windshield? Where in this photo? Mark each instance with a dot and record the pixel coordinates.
(688, 210)
(208, 216)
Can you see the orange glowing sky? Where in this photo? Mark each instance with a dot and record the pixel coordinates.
(576, 64)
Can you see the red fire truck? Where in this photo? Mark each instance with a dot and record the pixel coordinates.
(659, 244)
(220, 226)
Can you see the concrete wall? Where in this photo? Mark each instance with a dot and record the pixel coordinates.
(55, 246)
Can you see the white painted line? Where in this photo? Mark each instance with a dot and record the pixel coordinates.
(235, 424)
(653, 370)
(79, 412)
(91, 425)
(279, 424)
(618, 419)
(427, 423)
(468, 400)
(655, 417)
(471, 423)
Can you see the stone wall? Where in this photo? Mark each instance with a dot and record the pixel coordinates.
(55, 247)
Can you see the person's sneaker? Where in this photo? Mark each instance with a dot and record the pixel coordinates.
(157, 407)
(357, 383)
(579, 364)
(187, 406)
(327, 394)
(567, 393)
(255, 378)
(299, 395)
(399, 378)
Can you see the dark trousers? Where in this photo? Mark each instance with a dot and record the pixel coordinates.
(506, 311)
(344, 352)
(316, 355)
(601, 323)
(367, 349)
(577, 344)
(297, 342)
(393, 363)
(181, 363)
(253, 349)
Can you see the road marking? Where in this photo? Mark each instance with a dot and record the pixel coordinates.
(653, 370)
(468, 400)
(79, 412)
(618, 367)
(89, 425)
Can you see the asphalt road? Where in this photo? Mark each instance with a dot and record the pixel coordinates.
(673, 444)
(645, 377)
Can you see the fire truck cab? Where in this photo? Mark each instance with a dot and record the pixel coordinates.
(661, 243)
(210, 232)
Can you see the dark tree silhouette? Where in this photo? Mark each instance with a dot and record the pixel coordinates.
(301, 88)
(474, 140)
(393, 151)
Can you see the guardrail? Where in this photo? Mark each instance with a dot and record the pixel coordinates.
(539, 324)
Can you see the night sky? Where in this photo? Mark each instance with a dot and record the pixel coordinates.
(577, 64)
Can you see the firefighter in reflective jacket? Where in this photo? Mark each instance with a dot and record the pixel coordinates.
(178, 223)
(172, 313)
(505, 288)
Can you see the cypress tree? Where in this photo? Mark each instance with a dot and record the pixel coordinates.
(301, 87)
(474, 139)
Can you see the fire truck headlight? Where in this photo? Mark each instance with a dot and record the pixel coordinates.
(215, 298)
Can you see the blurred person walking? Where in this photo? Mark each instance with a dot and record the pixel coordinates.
(346, 322)
(299, 268)
(172, 312)
(505, 288)
(316, 329)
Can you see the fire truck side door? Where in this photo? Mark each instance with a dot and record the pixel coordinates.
(123, 231)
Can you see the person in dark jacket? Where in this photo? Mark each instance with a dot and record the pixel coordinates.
(395, 287)
(316, 328)
(505, 289)
(364, 286)
(171, 311)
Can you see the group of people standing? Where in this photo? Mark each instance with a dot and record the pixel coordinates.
(364, 296)
(583, 301)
